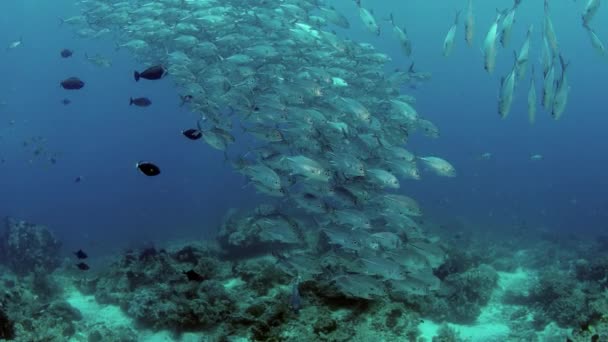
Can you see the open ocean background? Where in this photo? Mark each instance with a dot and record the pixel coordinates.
(100, 137)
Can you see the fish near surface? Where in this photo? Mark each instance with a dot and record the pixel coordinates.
(561, 94)
(507, 87)
(469, 24)
(532, 99)
(524, 55)
(401, 34)
(549, 88)
(590, 10)
(448, 42)
(507, 26)
(596, 42)
(489, 46)
(368, 19)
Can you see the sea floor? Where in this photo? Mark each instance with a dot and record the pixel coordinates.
(550, 289)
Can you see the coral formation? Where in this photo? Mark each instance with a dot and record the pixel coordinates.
(28, 247)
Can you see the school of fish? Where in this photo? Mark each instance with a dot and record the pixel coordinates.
(323, 126)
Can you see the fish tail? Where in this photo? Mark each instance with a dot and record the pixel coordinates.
(136, 76)
(61, 21)
(130, 101)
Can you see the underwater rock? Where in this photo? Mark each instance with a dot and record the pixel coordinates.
(28, 247)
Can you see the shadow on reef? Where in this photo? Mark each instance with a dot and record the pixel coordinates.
(7, 328)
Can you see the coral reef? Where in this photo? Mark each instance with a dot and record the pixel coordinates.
(27, 247)
(152, 287)
(36, 318)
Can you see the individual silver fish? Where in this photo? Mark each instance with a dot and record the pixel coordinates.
(448, 41)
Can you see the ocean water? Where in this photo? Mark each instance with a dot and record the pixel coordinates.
(45, 146)
(100, 138)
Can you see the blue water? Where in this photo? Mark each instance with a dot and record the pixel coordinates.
(99, 137)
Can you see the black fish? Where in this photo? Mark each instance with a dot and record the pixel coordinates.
(192, 134)
(82, 266)
(72, 83)
(152, 73)
(78, 179)
(66, 102)
(194, 276)
(65, 53)
(140, 101)
(80, 254)
(148, 169)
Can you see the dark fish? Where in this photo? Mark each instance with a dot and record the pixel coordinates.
(72, 83)
(140, 101)
(65, 53)
(148, 168)
(80, 254)
(194, 276)
(192, 134)
(78, 179)
(82, 266)
(152, 73)
(185, 99)
(66, 101)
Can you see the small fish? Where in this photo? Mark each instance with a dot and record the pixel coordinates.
(66, 53)
(80, 254)
(148, 168)
(72, 83)
(15, 44)
(192, 133)
(78, 179)
(140, 101)
(485, 156)
(185, 99)
(152, 73)
(536, 157)
(83, 266)
(194, 276)
(66, 101)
